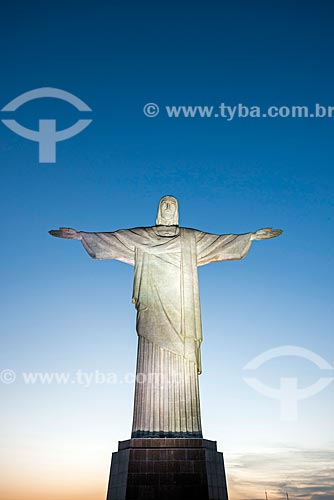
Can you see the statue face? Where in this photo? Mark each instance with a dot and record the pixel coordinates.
(168, 209)
(168, 212)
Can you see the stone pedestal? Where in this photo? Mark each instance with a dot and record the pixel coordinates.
(167, 468)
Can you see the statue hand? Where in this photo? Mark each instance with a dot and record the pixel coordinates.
(66, 232)
(266, 233)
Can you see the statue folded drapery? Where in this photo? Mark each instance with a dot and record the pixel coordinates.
(166, 295)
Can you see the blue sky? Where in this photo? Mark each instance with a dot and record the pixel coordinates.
(63, 311)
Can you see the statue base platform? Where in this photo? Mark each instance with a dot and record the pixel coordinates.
(167, 468)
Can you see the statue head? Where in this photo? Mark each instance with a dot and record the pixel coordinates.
(168, 212)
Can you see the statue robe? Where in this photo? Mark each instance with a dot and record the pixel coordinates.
(166, 297)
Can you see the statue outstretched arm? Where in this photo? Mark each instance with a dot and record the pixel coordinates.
(216, 248)
(116, 245)
(266, 233)
(66, 232)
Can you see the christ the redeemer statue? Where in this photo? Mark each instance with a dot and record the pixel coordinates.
(166, 295)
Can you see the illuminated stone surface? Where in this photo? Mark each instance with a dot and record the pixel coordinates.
(166, 296)
(167, 406)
